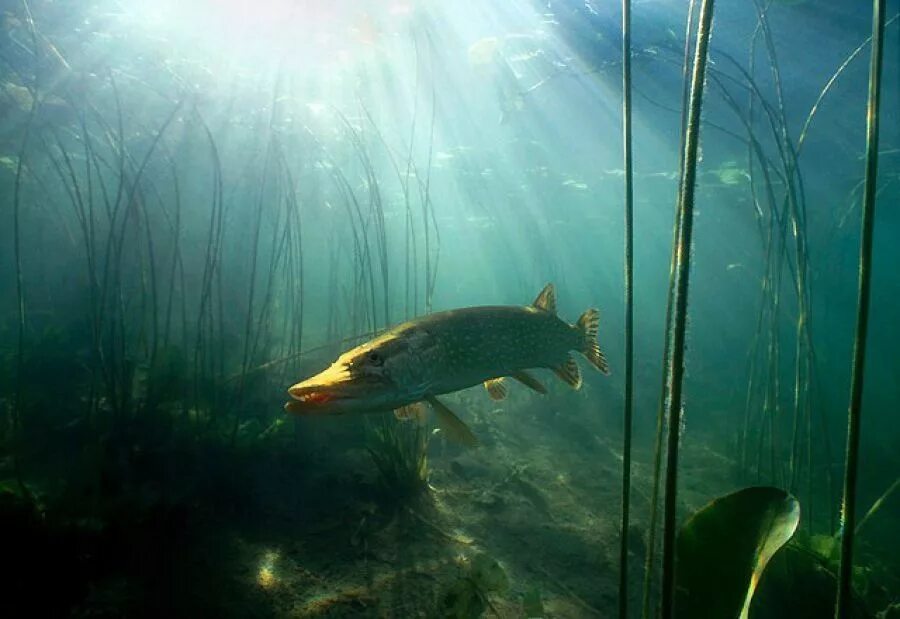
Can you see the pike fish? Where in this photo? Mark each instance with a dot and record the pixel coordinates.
(448, 351)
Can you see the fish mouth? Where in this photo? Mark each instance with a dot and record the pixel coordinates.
(317, 397)
(321, 393)
(312, 401)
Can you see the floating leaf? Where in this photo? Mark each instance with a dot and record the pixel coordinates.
(723, 549)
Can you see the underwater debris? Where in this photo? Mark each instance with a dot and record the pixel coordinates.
(265, 575)
(729, 173)
(467, 597)
(574, 184)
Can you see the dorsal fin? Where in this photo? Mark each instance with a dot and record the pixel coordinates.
(546, 300)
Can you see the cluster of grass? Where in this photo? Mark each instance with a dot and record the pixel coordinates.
(399, 450)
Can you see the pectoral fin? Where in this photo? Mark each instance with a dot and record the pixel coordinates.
(411, 412)
(452, 426)
(529, 381)
(495, 388)
(570, 373)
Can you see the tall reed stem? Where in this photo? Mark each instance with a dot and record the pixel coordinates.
(629, 306)
(667, 346)
(848, 515)
(681, 259)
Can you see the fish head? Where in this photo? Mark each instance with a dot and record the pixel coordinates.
(383, 374)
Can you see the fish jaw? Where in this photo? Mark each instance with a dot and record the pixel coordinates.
(339, 390)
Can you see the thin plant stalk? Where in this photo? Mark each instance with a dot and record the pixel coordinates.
(660, 418)
(878, 504)
(681, 258)
(629, 307)
(857, 372)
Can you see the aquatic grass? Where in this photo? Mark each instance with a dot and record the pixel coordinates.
(204, 336)
(857, 371)
(410, 249)
(629, 307)
(294, 315)
(787, 220)
(19, 392)
(411, 246)
(361, 303)
(878, 504)
(796, 209)
(376, 216)
(790, 176)
(254, 257)
(681, 260)
(427, 207)
(804, 383)
(772, 236)
(399, 450)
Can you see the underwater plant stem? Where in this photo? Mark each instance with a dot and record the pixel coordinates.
(830, 83)
(176, 253)
(17, 252)
(667, 341)
(430, 269)
(857, 373)
(877, 504)
(629, 307)
(681, 259)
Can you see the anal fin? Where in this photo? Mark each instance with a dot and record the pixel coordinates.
(452, 426)
(496, 388)
(570, 373)
(529, 381)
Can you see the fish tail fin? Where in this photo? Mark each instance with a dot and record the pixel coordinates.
(588, 326)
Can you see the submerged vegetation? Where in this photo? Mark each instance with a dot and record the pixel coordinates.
(399, 451)
(187, 230)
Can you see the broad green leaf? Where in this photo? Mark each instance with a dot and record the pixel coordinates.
(723, 549)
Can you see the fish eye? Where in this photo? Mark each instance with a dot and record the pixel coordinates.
(374, 358)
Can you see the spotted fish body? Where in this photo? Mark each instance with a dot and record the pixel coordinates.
(452, 350)
(469, 346)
